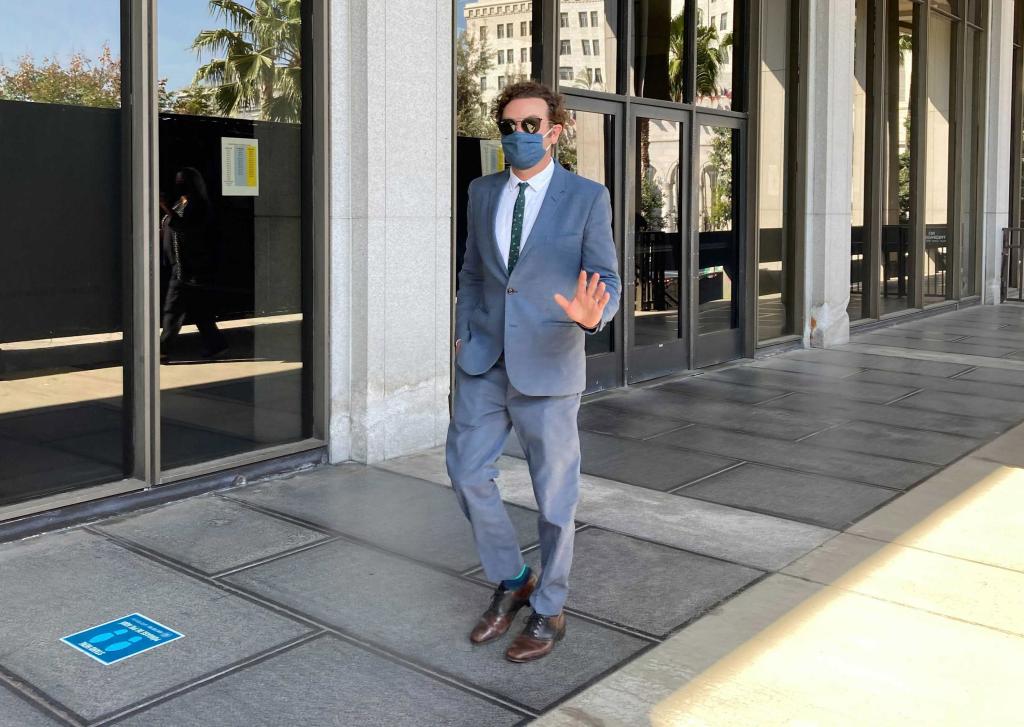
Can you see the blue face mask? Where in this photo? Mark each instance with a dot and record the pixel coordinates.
(523, 150)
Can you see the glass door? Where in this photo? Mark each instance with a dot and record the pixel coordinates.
(655, 275)
(232, 198)
(717, 293)
(590, 148)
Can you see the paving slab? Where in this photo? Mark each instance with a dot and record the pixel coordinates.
(881, 363)
(598, 417)
(838, 657)
(964, 359)
(958, 385)
(330, 683)
(827, 501)
(784, 362)
(426, 616)
(638, 463)
(801, 456)
(969, 404)
(723, 414)
(63, 583)
(972, 510)
(897, 442)
(911, 334)
(1007, 449)
(972, 592)
(844, 388)
(747, 538)
(890, 413)
(210, 534)
(631, 695)
(643, 585)
(994, 376)
(17, 712)
(402, 514)
(719, 390)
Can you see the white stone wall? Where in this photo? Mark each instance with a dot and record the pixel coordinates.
(390, 297)
(996, 163)
(828, 159)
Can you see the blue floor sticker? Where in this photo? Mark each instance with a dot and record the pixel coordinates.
(117, 640)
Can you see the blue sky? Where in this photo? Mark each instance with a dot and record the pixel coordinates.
(460, 17)
(59, 28)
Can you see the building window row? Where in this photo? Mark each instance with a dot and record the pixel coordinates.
(507, 10)
(586, 20)
(589, 47)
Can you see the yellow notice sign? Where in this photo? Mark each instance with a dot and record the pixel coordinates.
(240, 174)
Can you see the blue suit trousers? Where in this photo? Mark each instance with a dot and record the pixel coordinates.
(486, 408)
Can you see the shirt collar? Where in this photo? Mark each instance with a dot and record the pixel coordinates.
(538, 183)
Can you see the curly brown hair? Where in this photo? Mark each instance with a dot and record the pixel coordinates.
(533, 89)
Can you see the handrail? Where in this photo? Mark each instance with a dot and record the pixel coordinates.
(1013, 262)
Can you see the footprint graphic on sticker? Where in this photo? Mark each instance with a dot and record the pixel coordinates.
(100, 638)
(124, 644)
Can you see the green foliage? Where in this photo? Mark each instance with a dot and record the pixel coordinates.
(718, 215)
(82, 82)
(652, 201)
(711, 50)
(472, 61)
(903, 175)
(257, 59)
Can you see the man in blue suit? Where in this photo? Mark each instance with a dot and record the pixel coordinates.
(540, 272)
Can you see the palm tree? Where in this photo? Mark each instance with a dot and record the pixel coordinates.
(257, 60)
(710, 56)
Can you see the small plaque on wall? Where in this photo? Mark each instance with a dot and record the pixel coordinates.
(240, 170)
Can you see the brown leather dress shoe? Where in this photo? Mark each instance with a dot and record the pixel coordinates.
(505, 604)
(537, 639)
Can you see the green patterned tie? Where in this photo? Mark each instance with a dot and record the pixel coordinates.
(517, 226)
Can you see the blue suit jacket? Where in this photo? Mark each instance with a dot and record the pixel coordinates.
(517, 314)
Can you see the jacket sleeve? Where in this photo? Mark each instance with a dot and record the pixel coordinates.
(470, 277)
(600, 255)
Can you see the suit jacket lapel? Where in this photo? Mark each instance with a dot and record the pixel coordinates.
(548, 210)
(492, 210)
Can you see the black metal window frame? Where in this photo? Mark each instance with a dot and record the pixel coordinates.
(625, 106)
(880, 17)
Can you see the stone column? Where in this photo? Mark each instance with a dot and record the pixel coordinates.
(826, 157)
(391, 99)
(995, 214)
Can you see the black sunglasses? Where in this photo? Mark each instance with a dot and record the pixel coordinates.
(531, 125)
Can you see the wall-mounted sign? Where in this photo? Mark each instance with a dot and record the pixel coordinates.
(115, 641)
(240, 167)
(492, 156)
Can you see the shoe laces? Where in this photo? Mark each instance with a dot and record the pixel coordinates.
(536, 624)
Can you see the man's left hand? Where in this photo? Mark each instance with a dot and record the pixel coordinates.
(588, 304)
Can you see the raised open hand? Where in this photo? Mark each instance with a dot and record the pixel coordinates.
(588, 304)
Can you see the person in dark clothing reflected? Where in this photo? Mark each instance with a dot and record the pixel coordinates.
(185, 236)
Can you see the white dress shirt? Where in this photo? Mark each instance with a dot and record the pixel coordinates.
(506, 205)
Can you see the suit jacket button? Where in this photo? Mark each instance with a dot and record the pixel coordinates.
(511, 291)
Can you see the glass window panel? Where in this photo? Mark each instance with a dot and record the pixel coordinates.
(718, 276)
(858, 238)
(231, 243)
(660, 48)
(587, 148)
(896, 214)
(939, 136)
(658, 252)
(715, 54)
(776, 272)
(62, 422)
(596, 31)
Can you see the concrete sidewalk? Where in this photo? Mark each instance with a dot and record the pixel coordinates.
(745, 555)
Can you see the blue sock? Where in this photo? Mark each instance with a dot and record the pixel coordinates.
(514, 584)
